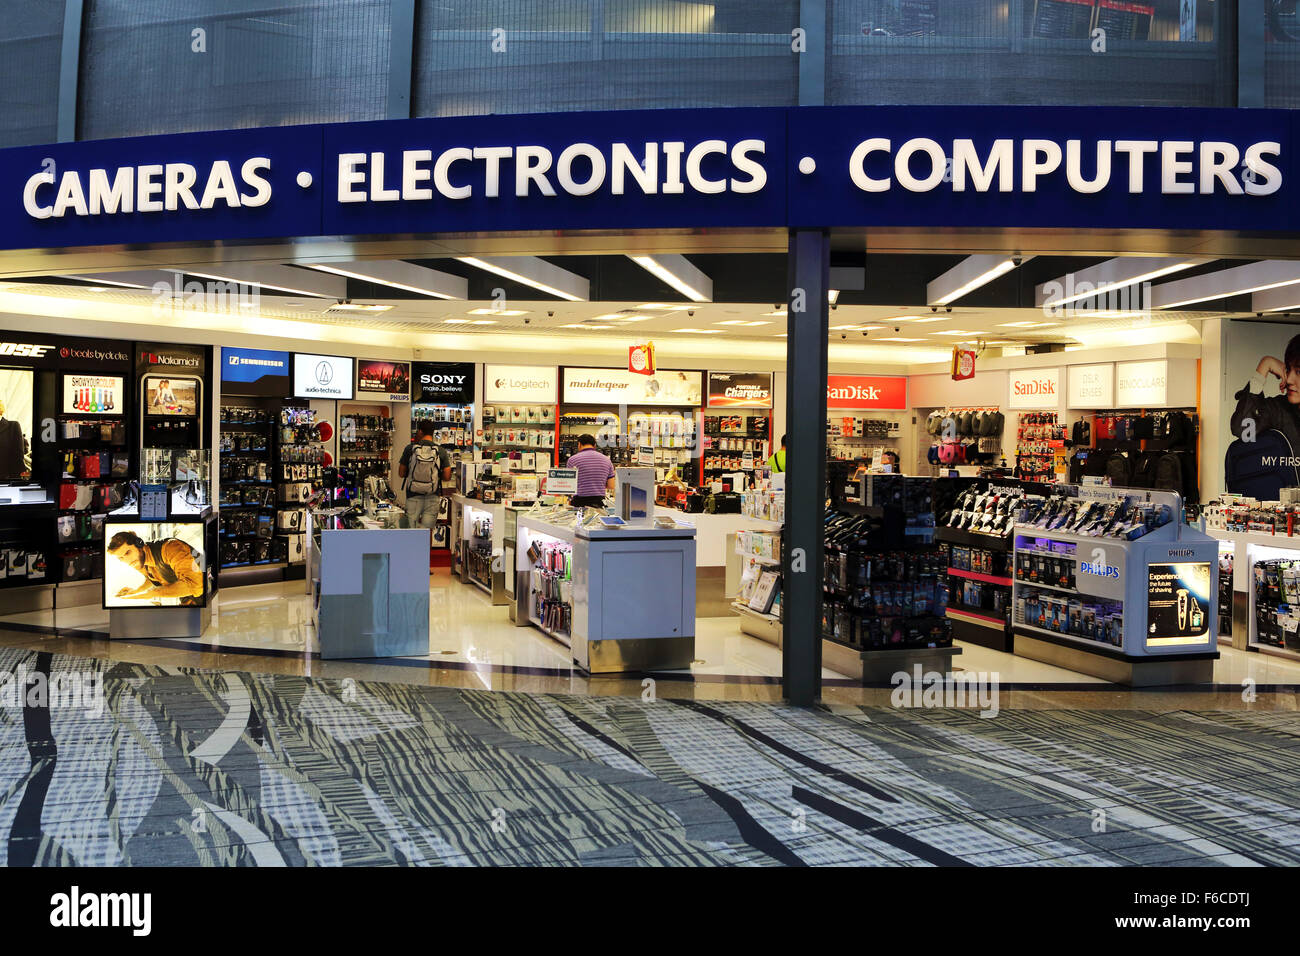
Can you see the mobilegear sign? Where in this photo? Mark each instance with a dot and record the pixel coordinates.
(1120, 168)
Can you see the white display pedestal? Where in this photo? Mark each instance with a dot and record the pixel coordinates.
(633, 601)
(370, 592)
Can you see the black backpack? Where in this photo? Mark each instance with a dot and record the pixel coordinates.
(1119, 470)
(1143, 470)
(1259, 468)
(1169, 473)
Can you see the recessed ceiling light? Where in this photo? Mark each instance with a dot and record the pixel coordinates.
(586, 325)
(666, 306)
(936, 318)
(902, 318)
(701, 331)
(778, 312)
(457, 321)
(484, 322)
(1014, 325)
(96, 288)
(740, 322)
(629, 318)
(1044, 325)
(954, 332)
(498, 312)
(896, 339)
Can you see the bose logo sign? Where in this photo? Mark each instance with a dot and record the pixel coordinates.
(31, 351)
(1100, 570)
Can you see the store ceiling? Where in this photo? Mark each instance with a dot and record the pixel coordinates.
(886, 320)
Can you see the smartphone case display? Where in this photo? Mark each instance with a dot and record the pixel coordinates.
(550, 587)
(514, 428)
(299, 472)
(619, 593)
(1117, 574)
(728, 436)
(673, 436)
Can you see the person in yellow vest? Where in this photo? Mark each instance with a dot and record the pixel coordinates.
(777, 461)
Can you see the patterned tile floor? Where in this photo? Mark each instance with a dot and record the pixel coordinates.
(174, 766)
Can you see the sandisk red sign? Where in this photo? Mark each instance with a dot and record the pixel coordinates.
(866, 391)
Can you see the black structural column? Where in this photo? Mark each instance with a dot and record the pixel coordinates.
(805, 470)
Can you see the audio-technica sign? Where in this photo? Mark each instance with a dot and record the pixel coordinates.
(322, 376)
(1115, 168)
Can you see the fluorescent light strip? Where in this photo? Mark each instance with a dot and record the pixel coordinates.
(1115, 274)
(315, 294)
(400, 275)
(1240, 280)
(967, 276)
(678, 272)
(497, 265)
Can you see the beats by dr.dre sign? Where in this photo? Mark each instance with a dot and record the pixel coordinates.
(866, 391)
(1035, 388)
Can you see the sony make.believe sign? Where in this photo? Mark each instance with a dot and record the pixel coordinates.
(1113, 168)
(451, 383)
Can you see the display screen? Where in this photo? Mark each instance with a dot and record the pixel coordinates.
(15, 424)
(160, 564)
(390, 379)
(92, 394)
(171, 395)
(1179, 604)
(322, 376)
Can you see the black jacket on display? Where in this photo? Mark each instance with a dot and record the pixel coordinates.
(13, 449)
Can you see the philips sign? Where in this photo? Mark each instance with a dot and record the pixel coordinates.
(1100, 569)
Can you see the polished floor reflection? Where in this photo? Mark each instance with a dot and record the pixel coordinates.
(267, 628)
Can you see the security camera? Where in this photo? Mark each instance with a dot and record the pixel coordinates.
(934, 308)
(864, 335)
(898, 328)
(550, 315)
(690, 312)
(1017, 259)
(843, 335)
(527, 321)
(949, 309)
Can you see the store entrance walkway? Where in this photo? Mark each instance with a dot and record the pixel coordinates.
(223, 768)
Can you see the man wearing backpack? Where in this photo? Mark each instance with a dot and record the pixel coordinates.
(424, 467)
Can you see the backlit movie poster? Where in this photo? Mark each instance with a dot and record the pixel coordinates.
(15, 424)
(154, 564)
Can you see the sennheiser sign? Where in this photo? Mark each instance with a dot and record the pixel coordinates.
(322, 376)
(450, 383)
(806, 167)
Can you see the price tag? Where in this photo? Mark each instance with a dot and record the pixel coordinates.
(747, 461)
(645, 456)
(562, 481)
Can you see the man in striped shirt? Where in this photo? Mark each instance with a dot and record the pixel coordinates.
(595, 474)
